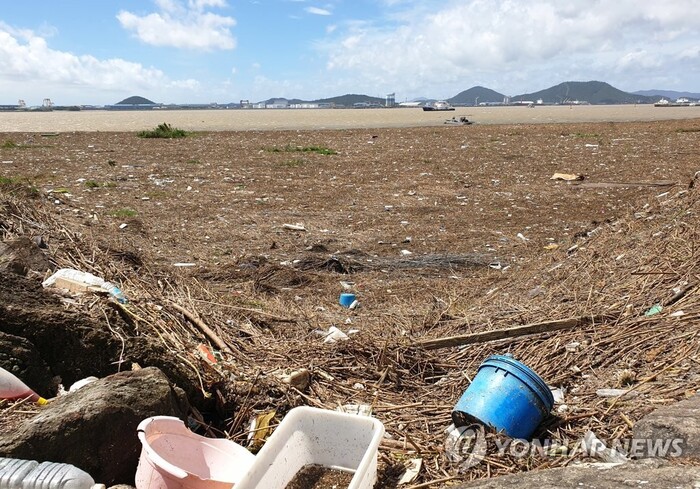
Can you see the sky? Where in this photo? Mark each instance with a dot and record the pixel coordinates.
(97, 52)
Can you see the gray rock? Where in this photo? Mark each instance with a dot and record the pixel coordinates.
(680, 421)
(94, 428)
(643, 474)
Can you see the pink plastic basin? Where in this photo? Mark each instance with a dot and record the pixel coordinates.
(172, 457)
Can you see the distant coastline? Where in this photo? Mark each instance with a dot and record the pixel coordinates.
(566, 93)
(322, 119)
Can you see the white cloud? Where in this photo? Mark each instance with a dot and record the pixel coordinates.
(182, 26)
(31, 67)
(639, 60)
(317, 11)
(202, 4)
(499, 41)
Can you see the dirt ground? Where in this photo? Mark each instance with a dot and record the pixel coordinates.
(214, 197)
(440, 230)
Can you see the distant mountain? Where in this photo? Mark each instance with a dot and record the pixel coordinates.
(279, 99)
(475, 96)
(670, 94)
(594, 92)
(135, 100)
(345, 100)
(349, 99)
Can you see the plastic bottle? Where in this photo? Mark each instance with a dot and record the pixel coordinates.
(89, 279)
(12, 388)
(30, 474)
(115, 292)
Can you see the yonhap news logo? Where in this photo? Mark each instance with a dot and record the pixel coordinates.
(467, 446)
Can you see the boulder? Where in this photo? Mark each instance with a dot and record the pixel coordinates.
(94, 428)
(679, 422)
(655, 473)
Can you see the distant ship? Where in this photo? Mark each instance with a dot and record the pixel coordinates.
(440, 105)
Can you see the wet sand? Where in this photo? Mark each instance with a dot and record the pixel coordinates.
(309, 119)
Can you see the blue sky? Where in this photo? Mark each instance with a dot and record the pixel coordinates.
(201, 51)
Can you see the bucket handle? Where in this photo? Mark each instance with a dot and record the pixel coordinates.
(171, 469)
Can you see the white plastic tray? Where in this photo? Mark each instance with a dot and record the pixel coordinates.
(317, 436)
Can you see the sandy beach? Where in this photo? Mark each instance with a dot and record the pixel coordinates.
(309, 119)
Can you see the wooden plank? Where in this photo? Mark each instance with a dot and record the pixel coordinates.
(500, 334)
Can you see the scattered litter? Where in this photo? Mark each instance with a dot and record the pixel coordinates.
(294, 227)
(412, 470)
(184, 264)
(206, 353)
(355, 304)
(677, 314)
(589, 145)
(557, 394)
(79, 384)
(495, 265)
(358, 409)
(406, 252)
(346, 285)
(594, 447)
(346, 299)
(334, 334)
(573, 346)
(654, 310)
(78, 281)
(557, 450)
(123, 225)
(568, 177)
(520, 235)
(551, 246)
(614, 392)
(299, 379)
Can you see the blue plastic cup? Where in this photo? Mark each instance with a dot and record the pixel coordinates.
(346, 299)
(506, 396)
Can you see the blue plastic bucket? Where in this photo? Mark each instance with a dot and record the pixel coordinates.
(505, 395)
(346, 299)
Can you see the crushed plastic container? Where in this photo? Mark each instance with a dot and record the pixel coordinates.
(505, 395)
(11, 388)
(173, 457)
(82, 281)
(311, 436)
(30, 474)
